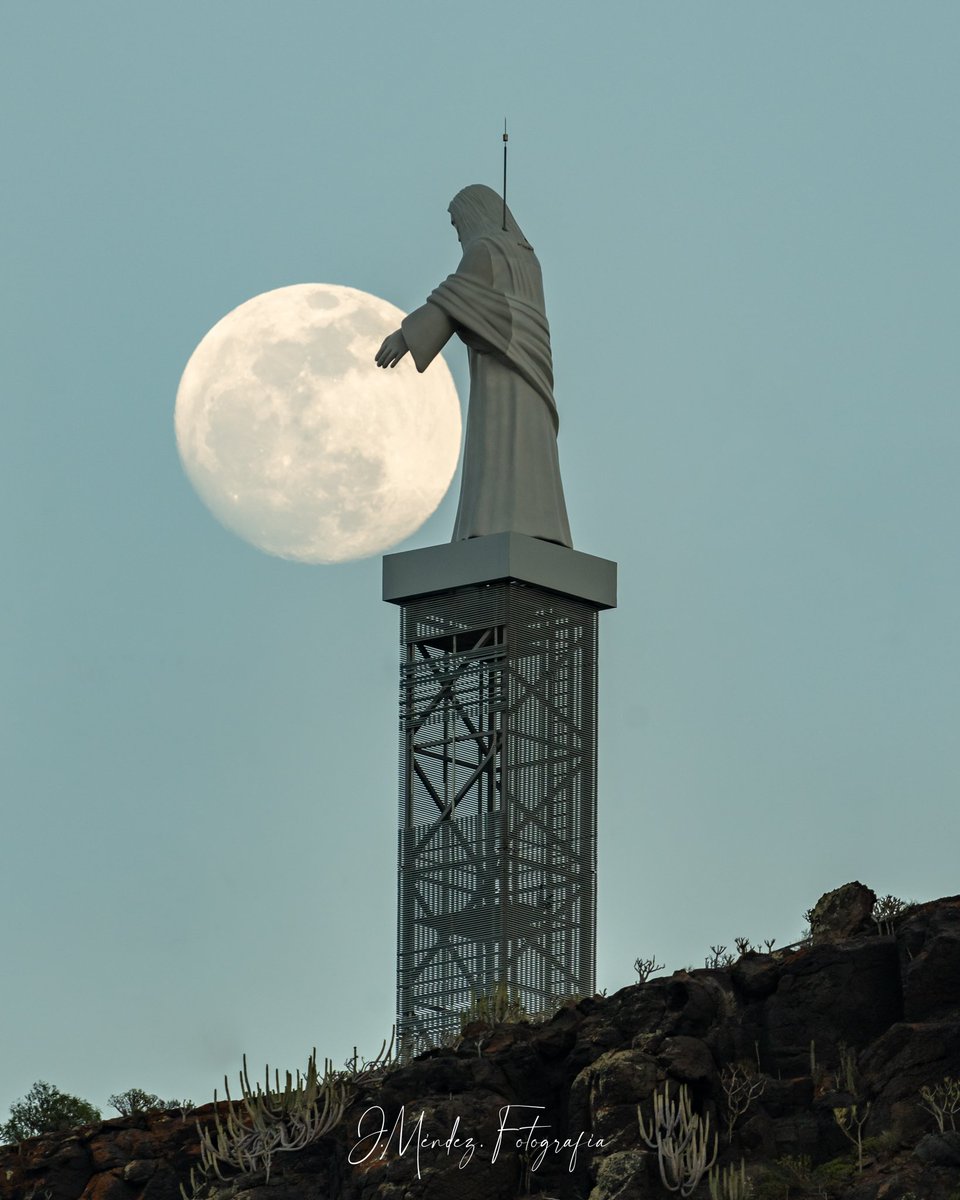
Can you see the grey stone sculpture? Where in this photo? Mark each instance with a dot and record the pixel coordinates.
(494, 303)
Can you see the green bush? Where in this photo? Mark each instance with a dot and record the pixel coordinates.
(778, 1181)
(793, 1171)
(136, 1100)
(835, 1173)
(793, 1177)
(497, 1007)
(45, 1109)
(881, 1143)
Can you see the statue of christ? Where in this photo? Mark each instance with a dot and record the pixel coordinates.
(494, 303)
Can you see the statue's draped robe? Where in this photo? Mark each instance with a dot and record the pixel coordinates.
(511, 472)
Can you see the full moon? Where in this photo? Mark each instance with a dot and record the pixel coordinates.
(297, 442)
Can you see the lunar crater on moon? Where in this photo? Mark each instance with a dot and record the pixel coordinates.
(298, 443)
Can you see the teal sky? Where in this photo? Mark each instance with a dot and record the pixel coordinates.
(747, 216)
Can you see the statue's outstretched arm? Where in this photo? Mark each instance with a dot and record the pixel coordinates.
(426, 331)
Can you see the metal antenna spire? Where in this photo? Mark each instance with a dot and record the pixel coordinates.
(505, 139)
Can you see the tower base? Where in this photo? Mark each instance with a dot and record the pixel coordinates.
(498, 733)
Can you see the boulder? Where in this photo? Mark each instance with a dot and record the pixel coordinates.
(605, 1095)
(106, 1185)
(939, 1149)
(845, 912)
(623, 1176)
(756, 975)
(687, 1060)
(780, 1097)
(139, 1170)
(163, 1184)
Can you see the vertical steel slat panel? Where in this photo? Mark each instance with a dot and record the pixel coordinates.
(497, 812)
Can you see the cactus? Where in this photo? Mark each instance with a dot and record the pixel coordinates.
(268, 1120)
(681, 1140)
(729, 1183)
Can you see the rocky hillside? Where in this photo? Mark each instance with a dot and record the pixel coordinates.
(795, 1056)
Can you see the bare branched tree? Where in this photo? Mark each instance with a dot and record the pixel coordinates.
(942, 1101)
(741, 1086)
(645, 967)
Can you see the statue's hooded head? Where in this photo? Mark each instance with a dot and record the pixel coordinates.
(477, 211)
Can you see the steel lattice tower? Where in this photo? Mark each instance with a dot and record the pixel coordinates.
(498, 801)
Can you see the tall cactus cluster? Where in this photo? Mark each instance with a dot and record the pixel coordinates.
(267, 1120)
(729, 1183)
(681, 1139)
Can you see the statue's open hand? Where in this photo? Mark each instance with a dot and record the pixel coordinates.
(393, 349)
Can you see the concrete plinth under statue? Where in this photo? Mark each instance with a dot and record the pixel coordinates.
(498, 803)
(500, 556)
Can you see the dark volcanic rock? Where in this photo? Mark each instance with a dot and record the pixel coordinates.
(138, 1170)
(681, 1004)
(828, 995)
(780, 1097)
(756, 975)
(882, 1012)
(930, 945)
(145, 1156)
(902, 1061)
(687, 1060)
(605, 1095)
(940, 1149)
(623, 1175)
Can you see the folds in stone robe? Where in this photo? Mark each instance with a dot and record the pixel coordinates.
(511, 470)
